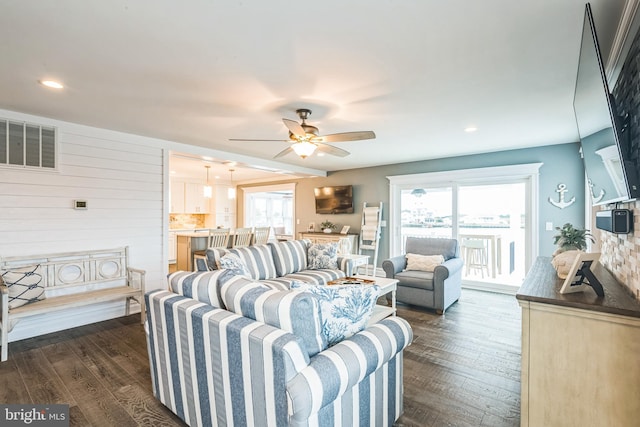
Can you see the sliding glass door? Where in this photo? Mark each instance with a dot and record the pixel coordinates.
(490, 211)
(491, 232)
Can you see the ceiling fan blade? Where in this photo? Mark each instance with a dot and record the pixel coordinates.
(262, 140)
(294, 127)
(345, 136)
(330, 149)
(283, 152)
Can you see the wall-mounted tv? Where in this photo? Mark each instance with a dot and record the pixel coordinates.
(604, 137)
(334, 200)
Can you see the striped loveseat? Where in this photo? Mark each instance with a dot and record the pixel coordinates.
(225, 350)
(278, 264)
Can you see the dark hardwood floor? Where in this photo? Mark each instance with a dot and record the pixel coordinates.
(463, 369)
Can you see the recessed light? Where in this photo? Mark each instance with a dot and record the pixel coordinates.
(52, 84)
(470, 129)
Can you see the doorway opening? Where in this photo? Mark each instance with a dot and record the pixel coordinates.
(271, 206)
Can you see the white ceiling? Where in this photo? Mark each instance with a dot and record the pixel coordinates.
(203, 71)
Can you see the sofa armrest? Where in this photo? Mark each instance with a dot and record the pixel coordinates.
(394, 265)
(447, 269)
(199, 353)
(339, 368)
(346, 265)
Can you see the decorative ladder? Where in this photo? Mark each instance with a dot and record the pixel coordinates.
(370, 233)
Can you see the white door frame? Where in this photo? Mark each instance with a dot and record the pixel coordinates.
(528, 173)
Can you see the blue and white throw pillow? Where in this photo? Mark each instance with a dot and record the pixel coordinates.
(345, 309)
(323, 256)
(24, 284)
(234, 264)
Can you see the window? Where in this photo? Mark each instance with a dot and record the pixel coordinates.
(27, 145)
(270, 206)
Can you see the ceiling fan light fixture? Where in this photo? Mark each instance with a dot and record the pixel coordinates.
(304, 148)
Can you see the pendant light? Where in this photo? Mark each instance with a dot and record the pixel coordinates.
(207, 189)
(231, 192)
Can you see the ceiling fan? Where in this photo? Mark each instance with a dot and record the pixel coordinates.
(305, 139)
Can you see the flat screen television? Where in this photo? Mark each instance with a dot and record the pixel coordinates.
(611, 170)
(334, 200)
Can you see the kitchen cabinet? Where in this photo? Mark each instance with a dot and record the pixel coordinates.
(579, 352)
(176, 197)
(225, 207)
(194, 200)
(188, 197)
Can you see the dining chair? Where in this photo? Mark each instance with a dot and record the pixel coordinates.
(261, 235)
(242, 237)
(219, 238)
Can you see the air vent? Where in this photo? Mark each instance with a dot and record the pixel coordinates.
(27, 145)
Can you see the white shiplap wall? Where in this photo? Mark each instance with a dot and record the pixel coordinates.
(120, 175)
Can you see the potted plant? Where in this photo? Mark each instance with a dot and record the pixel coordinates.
(327, 226)
(571, 238)
(570, 241)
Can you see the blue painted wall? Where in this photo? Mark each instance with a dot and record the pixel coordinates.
(561, 164)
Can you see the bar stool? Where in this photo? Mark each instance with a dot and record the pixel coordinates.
(218, 238)
(261, 235)
(475, 254)
(242, 237)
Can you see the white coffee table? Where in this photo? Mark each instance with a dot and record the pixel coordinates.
(386, 286)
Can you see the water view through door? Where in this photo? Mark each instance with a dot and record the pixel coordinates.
(488, 220)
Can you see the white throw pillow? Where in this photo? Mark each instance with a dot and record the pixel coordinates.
(423, 262)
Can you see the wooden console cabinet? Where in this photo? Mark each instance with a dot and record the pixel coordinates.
(331, 237)
(580, 353)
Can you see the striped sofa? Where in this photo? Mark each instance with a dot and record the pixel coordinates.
(229, 351)
(278, 263)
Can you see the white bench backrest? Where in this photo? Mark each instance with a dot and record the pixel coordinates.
(71, 272)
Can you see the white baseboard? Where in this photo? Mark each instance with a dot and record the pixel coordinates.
(490, 287)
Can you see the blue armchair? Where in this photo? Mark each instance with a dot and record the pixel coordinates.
(435, 290)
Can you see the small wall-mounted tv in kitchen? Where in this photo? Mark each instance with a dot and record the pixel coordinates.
(334, 200)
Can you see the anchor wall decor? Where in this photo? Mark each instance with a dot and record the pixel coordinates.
(562, 188)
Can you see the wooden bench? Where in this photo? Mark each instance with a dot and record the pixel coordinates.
(71, 279)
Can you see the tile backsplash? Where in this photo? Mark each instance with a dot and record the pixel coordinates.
(182, 221)
(621, 252)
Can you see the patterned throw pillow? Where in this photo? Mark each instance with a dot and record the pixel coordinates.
(234, 264)
(345, 309)
(24, 285)
(423, 262)
(322, 256)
